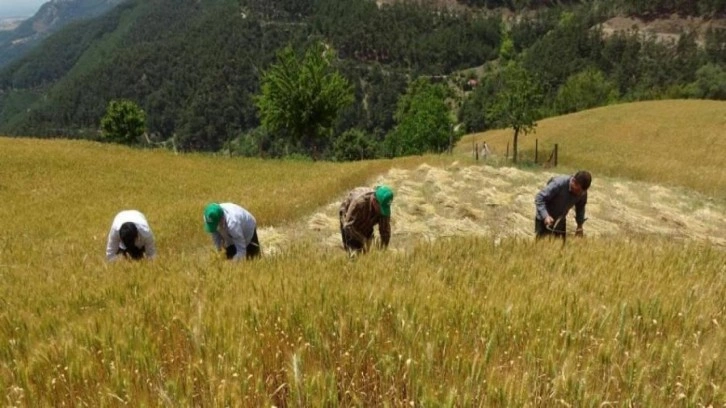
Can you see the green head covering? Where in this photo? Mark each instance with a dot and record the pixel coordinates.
(384, 196)
(212, 214)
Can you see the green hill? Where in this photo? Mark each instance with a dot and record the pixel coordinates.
(194, 66)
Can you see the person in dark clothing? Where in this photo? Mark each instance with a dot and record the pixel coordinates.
(557, 198)
(361, 210)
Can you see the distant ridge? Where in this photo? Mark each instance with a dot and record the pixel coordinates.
(10, 23)
(195, 66)
(51, 17)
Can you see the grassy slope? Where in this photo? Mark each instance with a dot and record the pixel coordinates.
(466, 322)
(681, 142)
(60, 183)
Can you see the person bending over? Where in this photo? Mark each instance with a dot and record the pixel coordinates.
(233, 229)
(130, 237)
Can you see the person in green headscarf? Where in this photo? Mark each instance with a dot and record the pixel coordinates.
(361, 210)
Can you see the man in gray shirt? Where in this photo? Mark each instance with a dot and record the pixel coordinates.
(555, 200)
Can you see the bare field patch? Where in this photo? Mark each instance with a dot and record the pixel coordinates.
(663, 29)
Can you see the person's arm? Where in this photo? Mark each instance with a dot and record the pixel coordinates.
(149, 245)
(217, 240)
(580, 213)
(384, 228)
(541, 199)
(112, 244)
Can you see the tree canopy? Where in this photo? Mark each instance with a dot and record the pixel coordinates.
(124, 122)
(303, 96)
(516, 105)
(423, 121)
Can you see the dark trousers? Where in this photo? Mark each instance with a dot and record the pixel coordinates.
(253, 248)
(132, 252)
(558, 230)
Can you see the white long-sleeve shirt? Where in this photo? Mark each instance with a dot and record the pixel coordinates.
(236, 228)
(144, 239)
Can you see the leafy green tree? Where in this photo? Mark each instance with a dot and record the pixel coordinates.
(507, 50)
(473, 112)
(302, 97)
(124, 122)
(530, 29)
(710, 83)
(517, 103)
(423, 121)
(567, 49)
(620, 60)
(585, 90)
(715, 46)
(355, 144)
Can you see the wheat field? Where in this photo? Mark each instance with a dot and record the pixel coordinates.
(464, 309)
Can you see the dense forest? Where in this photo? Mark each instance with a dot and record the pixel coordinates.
(195, 67)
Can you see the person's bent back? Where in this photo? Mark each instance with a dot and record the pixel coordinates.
(233, 229)
(130, 237)
(556, 199)
(361, 210)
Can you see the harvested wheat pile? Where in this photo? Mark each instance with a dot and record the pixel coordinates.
(272, 240)
(433, 203)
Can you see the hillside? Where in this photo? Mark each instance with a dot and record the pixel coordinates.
(671, 142)
(202, 62)
(52, 16)
(666, 29)
(195, 67)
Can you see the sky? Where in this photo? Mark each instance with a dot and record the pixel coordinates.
(19, 8)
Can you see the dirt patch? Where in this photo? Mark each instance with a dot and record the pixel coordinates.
(433, 203)
(664, 29)
(443, 4)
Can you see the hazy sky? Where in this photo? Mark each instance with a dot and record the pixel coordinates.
(19, 8)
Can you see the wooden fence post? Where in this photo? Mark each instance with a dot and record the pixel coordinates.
(556, 148)
(451, 140)
(536, 150)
